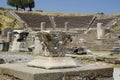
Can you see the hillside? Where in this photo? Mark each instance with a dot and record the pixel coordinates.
(61, 14)
(6, 21)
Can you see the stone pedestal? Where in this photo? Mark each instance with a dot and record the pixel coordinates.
(53, 62)
(87, 72)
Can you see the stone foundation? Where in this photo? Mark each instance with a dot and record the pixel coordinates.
(87, 72)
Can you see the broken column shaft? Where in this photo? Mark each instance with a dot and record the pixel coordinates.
(43, 26)
(100, 31)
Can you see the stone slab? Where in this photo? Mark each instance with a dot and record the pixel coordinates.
(116, 74)
(24, 72)
(53, 62)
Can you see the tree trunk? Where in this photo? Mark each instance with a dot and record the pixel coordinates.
(24, 9)
(30, 9)
(17, 8)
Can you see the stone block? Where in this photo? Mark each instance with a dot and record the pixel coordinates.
(100, 58)
(53, 62)
(110, 60)
(23, 72)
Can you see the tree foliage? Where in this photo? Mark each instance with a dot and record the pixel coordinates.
(14, 3)
(21, 4)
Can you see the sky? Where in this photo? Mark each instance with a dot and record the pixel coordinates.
(75, 6)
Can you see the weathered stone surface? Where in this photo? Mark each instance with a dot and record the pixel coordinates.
(92, 72)
(100, 58)
(116, 74)
(83, 57)
(100, 31)
(96, 58)
(53, 62)
(53, 43)
(19, 41)
(112, 60)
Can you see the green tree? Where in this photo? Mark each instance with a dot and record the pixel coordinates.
(14, 3)
(31, 4)
(22, 4)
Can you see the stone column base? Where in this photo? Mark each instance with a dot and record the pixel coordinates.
(53, 62)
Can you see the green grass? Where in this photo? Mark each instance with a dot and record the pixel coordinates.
(116, 65)
(87, 61)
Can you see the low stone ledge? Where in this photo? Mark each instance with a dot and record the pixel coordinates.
(97, 58)
(100, 58)
(112, 60)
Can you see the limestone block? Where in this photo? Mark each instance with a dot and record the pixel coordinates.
(53, 62)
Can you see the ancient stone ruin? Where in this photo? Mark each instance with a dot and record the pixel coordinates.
(53, 44)
(51, 47)
(47, 38)
(19, 41)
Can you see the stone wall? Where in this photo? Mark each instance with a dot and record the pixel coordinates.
(90, 40)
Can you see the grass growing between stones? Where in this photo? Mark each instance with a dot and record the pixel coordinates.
(91, 62)
(86, 61)
(116, 65)
(105, 54)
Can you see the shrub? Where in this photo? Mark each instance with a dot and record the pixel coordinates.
(0, 25)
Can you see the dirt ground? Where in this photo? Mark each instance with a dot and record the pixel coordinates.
(6, 77)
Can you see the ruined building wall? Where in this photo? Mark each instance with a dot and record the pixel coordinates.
(90, 40)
